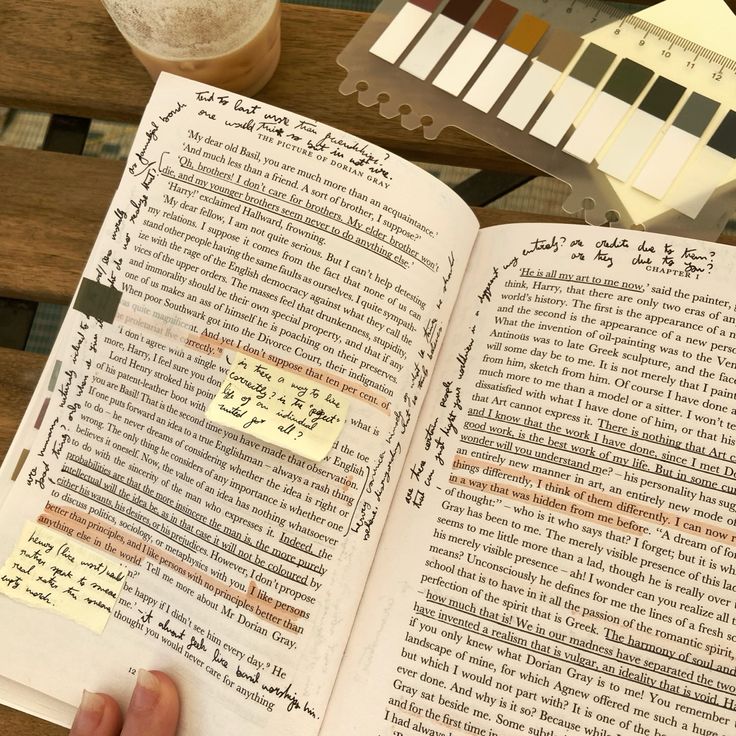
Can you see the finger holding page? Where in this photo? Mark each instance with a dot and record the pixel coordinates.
(98, 715)
(154, 706)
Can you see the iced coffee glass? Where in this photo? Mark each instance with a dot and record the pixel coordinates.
(233, 44)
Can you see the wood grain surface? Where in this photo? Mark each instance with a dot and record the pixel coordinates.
(20, 372)
(52, 207)
(68, 57)
(14, 723)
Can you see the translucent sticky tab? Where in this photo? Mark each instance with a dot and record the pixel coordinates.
(595, 129)
(279, 407)
(51, 571)
(408, 22)
(666, 161)
(707, 170)
(629, 147)
(529, 95)
(558, 116)
(464, 62)
(438, 38)
(495, 78)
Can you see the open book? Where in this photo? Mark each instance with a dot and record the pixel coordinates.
(527, 523)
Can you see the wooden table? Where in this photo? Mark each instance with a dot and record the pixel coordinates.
(66, 56)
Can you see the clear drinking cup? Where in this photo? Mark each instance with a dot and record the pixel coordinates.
(233, 44)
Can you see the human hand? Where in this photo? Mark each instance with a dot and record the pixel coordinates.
(153, 710)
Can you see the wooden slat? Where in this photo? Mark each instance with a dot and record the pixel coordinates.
(13, 723)
(52, 207)
(68, 57)
(19, 372)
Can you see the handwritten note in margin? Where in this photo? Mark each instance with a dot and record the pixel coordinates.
(278, 407)
(51, 571)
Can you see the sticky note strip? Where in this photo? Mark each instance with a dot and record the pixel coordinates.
(19, 465)
(97, 300)
(278, 407)
(51, 571)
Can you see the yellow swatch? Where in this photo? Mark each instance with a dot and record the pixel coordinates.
(51, 571)
(279, 407)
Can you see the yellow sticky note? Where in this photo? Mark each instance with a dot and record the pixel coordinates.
(279, 407)
(51, 571)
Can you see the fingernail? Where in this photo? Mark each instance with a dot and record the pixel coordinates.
(147, 691)
(89, 714)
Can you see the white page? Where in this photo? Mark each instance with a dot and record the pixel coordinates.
(236, 227)
(559, 556)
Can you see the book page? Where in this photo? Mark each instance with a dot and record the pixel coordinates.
(560, 552)
(241, 235)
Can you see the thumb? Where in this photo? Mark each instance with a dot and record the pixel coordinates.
(154, 706)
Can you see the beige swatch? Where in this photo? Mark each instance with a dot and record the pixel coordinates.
(278, 407)
(51, 571)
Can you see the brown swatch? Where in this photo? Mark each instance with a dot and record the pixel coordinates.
(461, 10)
(42, 413)
(496, 19)
(527, 33)
(559, 47)
(428, 5)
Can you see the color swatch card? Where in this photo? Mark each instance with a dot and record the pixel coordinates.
(475, 47)
(638, 120)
